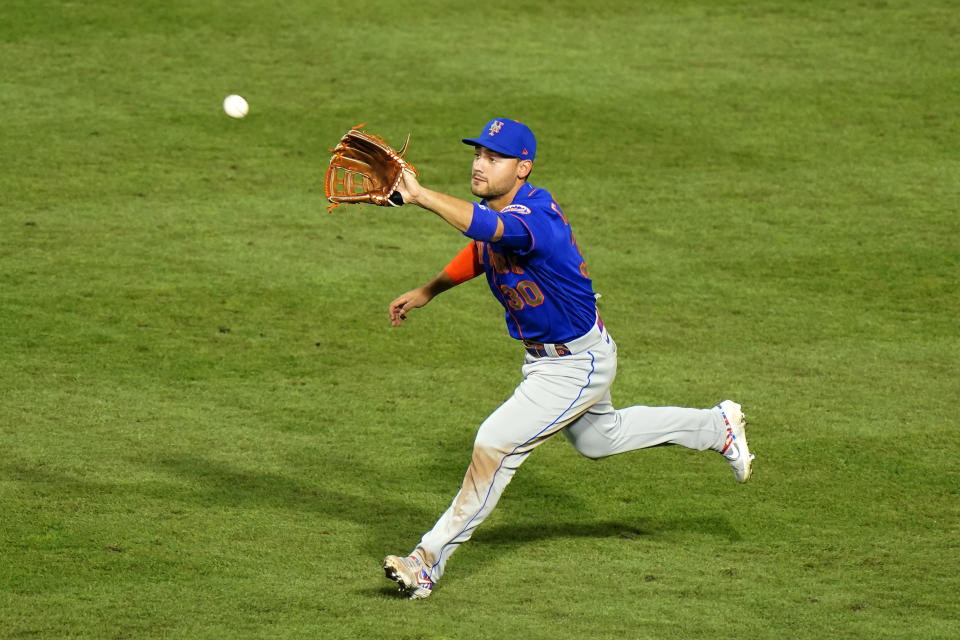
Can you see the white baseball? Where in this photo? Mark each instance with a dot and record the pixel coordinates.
(235, 106)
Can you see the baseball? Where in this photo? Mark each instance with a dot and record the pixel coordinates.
(235, 106)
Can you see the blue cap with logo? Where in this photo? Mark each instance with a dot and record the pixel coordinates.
(508, 137)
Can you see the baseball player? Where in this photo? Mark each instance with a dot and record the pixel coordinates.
(521, 241)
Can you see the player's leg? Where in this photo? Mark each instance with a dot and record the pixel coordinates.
(604, 431)
(551, 396)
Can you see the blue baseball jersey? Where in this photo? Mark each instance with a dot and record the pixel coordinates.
(545, 288)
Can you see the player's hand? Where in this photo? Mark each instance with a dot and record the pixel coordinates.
(410, 300)
(409, 187)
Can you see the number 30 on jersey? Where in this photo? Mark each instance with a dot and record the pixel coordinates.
(526, 293)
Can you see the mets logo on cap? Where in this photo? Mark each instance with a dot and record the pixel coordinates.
(495, 127)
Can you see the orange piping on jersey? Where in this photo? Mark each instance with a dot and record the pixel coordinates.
(519, 330)
(465, 265)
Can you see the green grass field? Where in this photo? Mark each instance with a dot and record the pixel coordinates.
(209, 430)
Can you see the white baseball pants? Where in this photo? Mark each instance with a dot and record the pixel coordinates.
(568, 393)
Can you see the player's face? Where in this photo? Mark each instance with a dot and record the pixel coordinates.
(495, 175)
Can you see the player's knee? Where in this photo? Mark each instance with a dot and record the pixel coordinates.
(586, 446)
(592, 453)
(489, 442)
(487, 447)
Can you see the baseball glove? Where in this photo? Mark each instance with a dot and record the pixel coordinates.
(365, 169)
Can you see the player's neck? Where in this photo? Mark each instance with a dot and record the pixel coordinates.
(498, 203)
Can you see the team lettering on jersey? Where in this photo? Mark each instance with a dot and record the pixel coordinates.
(523, 293)
(505, 263)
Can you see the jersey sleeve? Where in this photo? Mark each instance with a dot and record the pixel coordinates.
(465, 265)
(536, 219)
(516, 234)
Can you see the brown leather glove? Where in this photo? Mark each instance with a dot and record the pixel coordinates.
(366, 170)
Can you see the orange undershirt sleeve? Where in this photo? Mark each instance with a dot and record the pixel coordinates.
(465, 265)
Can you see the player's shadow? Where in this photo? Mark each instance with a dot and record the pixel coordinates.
(201, 482)
(219, 483)
(503, 537)
(497, 539)
(512, 535)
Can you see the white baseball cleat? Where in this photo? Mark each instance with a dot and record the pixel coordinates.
(410, 574)
(735, 448)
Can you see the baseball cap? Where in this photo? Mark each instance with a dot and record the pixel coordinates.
(509, 137)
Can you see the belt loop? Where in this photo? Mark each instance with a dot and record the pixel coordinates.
(541, 350)
(535, 349)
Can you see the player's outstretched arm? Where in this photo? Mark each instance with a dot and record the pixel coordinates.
(456, 212)
(418, 297)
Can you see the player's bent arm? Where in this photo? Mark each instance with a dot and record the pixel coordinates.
(439, 284)
(419, 297)
(464, 266)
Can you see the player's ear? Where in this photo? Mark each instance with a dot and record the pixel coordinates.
(524, 167)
